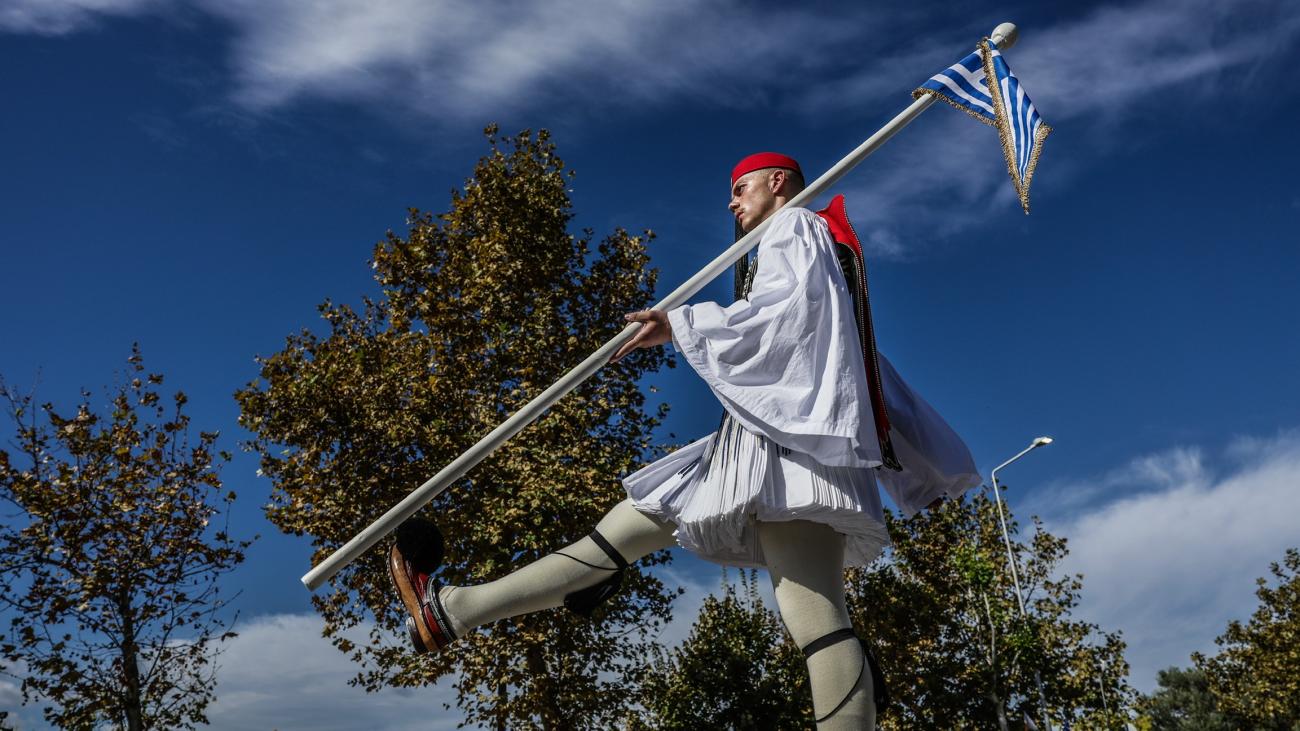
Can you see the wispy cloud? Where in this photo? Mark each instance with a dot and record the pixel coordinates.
(1115, 60)
(21, 718)
(460, 61)
(930, 189)
(456, 62)
(280, 673)
(1171, 468)
(60, 17)
(1171, 551)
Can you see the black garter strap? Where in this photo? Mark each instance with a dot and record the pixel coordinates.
(609, 549)
(585, 601)
(834, 638)
(828, 639)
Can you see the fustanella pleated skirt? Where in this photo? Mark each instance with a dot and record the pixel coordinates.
(715, 490)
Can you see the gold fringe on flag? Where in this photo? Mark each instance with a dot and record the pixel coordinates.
(1004, 131)
(959, 107)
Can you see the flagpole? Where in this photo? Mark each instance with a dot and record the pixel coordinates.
(1004, 35)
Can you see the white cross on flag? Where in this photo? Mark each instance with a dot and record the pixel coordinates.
(1002, 104)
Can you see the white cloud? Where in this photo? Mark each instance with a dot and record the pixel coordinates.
(280, 673)
(1107, 61)
(1175, 467)
(897, 201)
(20, 717)
(1114, 58)
(60, 17)
(458, 61)
(462, 60)
(1173, 555)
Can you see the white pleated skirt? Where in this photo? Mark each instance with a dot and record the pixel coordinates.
(715, 490)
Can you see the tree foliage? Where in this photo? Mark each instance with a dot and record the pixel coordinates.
(1256, 675)
(109, 566)
(737, 670)
(942, 613)
(481, 308)
(1183, 702)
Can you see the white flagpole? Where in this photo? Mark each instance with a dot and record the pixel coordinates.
(1004, 35)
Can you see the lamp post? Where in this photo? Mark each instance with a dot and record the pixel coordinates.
(1011, 557)
(1101, 685)
(1002, 518)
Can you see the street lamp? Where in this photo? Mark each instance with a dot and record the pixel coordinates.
(1006, 537)
(1011, 558)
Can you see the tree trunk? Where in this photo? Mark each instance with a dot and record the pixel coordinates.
(502, 699)
(132, 701)
(1001, 711)
(552, 718)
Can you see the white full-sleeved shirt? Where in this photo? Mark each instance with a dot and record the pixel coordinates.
(787, 362)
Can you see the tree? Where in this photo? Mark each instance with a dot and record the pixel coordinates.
(942, 614)
(110, 566)
(1184, 702)
(1256, 674)
(736, 670)
(480, 309)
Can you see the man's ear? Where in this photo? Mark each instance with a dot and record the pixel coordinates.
(777, 181)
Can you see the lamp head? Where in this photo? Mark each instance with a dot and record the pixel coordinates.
(1041, 442)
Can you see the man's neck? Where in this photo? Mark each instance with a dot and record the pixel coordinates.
(780, 203)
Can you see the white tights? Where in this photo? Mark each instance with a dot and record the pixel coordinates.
(805, 560)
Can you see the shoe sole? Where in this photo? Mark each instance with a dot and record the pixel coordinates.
(421, 638)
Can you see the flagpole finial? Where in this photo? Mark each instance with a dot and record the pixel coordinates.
(1005, 35)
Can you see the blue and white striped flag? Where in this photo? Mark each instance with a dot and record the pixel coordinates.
(1002, 104)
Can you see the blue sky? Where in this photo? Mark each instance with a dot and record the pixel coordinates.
(197, 176)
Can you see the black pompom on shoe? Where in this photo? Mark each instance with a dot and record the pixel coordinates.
(420, 543)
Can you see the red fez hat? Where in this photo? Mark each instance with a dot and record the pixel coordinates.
(760, 160)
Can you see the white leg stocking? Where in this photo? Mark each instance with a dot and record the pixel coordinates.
(806, 561)
(544, 583)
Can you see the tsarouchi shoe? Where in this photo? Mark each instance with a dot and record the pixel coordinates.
(412, 562)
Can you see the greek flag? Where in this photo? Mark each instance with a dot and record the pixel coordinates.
(1002, 104)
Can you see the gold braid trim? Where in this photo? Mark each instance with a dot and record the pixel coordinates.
(1004, 130)
(931, 92)
(1043, 129)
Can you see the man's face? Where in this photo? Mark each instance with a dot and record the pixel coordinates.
(753, 199)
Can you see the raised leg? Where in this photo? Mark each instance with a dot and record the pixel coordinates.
(544, 583)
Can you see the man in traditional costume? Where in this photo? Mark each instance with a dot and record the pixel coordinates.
(788, 481)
